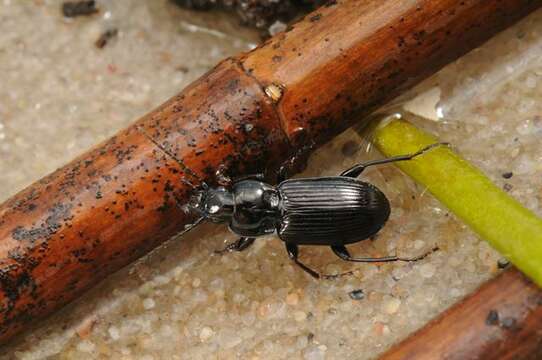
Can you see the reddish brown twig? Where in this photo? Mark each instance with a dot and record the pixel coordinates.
(502, 320)
(118, 201)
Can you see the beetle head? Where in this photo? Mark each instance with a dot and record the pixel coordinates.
(214, 204)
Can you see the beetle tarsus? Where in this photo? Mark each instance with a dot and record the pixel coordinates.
(336, 276)
(356, 170)
(343, 253)
(242, 244)
(420, 257)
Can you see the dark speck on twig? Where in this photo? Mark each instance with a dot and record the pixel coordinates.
(492, 318)
(315, 17)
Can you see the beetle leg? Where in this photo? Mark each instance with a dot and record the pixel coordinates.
(356, 170)
(239, 245)
(341, 252)
(293, 251)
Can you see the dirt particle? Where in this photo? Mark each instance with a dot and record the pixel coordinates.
(507, 175)
(102, 41)
(84, 329)
(357, 294)
(73, 9)
(292, 299)
(183, 69)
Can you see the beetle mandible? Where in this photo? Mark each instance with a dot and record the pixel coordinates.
(333, 210)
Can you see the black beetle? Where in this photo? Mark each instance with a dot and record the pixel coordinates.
(333, 211)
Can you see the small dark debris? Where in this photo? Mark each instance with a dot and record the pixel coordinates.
(507, 175)
(502, 263)
(315, 17)
(105, 37)
(310, 337)
(182, 69)
(507, 187)
(73, 9)
(492, 318)
(357, 294)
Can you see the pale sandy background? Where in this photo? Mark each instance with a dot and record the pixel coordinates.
(59, 95)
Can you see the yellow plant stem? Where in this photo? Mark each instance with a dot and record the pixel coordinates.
(495, 216)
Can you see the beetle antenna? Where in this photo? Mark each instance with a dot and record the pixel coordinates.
(429, 147)
(419, 257)
(189, 227)
(357, 169)
(174, 158)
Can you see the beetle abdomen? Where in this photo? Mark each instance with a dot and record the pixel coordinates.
(330, 211)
